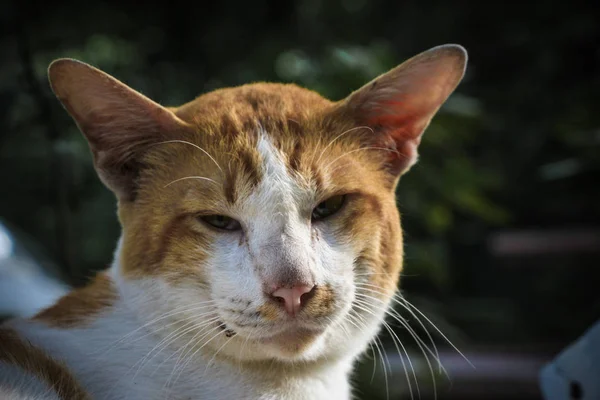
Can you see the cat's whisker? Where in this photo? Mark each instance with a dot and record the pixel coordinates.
(394, 314)
(191, 342)
(179, 310)
(194, 340)
(374, 289)
(374, 362)
(338, 167)
(141, 362)
(385, 362)
(169, 335)
(357, 319)
(361, 149)
(174, 335)
(191, 357)
(402, 320)
(197, 147)
(203, 178)
(358, 304)
(350, 318)
(336, 138)
(435, 327)
(339, 324)
(216, 353)
(397, 342)
(422, 346)
(404, 303)
(171, 338)
(200, 328)
(241, 352)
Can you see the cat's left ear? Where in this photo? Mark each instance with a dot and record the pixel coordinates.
(399, 104)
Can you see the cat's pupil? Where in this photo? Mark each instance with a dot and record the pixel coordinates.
(328, 207)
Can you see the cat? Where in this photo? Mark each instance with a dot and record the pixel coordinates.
(261, 243)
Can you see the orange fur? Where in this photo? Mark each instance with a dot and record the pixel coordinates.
(80, 306)
(15, 351)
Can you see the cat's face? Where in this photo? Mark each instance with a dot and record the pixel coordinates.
(301, 210)
(263, 217)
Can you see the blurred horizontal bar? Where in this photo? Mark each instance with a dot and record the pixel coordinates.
(495, 374)
(544, 242)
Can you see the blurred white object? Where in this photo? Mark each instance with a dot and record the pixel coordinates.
(575, 373)
(27, 284)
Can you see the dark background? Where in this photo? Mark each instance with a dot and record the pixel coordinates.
(502, 213)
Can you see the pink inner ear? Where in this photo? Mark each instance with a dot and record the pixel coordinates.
(400, 131)
(401, 102)
(402, 125)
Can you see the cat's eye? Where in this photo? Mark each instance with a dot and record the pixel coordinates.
(329, 207)
(221, 222)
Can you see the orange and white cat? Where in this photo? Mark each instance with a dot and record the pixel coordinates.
(261, 242)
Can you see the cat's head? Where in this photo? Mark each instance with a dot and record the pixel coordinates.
(260, 220)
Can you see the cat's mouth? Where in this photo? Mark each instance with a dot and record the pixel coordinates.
(228, 331)
(292, 338)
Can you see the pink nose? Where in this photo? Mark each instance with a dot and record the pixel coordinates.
(294, 298)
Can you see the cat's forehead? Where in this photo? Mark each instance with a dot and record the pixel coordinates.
(263, 144)
(236, 107)
(281, 185)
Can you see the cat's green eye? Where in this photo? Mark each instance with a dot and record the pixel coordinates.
(328, 207)
(221, 222)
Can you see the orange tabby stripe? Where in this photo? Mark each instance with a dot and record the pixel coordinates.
(15, 351)
(80, 306)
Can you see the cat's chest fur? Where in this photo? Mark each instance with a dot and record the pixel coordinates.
(115, 358)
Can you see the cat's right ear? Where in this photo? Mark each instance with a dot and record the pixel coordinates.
(118, 122)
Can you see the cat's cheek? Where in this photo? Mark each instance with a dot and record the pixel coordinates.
(335, 268)
(334, 253)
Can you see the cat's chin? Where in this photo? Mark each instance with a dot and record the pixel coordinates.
(292, 343)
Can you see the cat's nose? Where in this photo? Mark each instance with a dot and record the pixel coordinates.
(294, 298)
